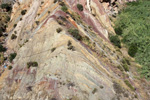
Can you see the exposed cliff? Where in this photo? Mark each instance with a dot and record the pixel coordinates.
(64, 53)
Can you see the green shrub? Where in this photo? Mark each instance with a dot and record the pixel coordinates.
(6, 6)
(75, 33)
(132, 50)
(118, 30)
(2, 49)
(129, 85)
(32, 63)
(23, 12)
(64, 8)
(13, 36)
(134, 23)
(58, 30)
(115, 40)
(12, 56)
(80, 7)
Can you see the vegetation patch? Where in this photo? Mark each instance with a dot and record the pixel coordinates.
(133, 25)
(75, 33)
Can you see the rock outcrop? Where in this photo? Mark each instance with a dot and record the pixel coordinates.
(67, 68)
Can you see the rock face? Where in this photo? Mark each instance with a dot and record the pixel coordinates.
(68, 69)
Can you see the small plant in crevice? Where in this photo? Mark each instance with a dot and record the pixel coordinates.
(15, 32)
(59, 30)
(64, 8)
(55, 1)
(129, 85)
(7, 18)
(12, 56)
(32, 63)
(101, 86)
(23, 12)
(53, 49)
(13, 36)
(9, 67)
(15, 25)
(94, 90)
(70, 47)
(37, 22)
